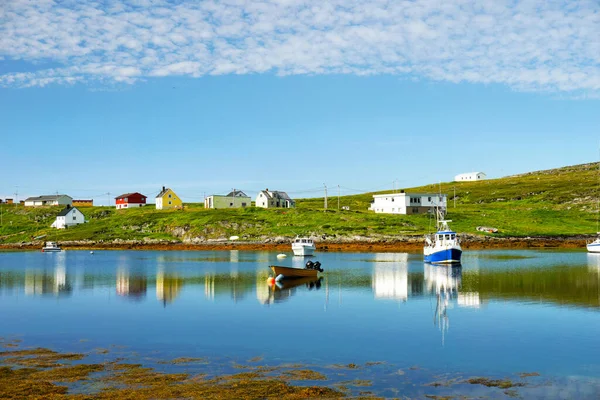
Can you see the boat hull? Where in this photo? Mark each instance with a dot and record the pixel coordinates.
(303, 250)
(593, 247)
(445, 256)
(52, 250)
(290, 272)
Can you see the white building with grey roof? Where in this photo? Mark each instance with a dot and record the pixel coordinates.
(274, 199)
(49, 200)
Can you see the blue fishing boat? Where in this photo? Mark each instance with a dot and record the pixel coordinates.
(443, 247)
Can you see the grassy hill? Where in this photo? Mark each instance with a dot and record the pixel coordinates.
(558, 202)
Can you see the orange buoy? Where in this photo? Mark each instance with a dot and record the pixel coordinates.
(270, 281)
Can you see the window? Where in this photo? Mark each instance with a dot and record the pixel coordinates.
(230, 204)
(429, 198)
(243, 204)
(74, 218)
(169, 196)
(169, 201)
(447, 237)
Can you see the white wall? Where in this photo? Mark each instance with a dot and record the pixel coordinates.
(470, 176)
(129, 205)
(397, 203)
(74, 217)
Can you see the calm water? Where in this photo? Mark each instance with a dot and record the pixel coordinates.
(500, 314)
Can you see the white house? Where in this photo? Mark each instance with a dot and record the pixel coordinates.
(407, 203)
(70, 216)
(274, 199)
(234, 199)
(470, 176)
(51, 200)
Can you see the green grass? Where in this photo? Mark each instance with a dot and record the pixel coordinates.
(559, 202)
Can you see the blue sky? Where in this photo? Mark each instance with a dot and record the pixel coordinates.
(118, 96)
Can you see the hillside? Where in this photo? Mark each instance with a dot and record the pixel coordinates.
(558, 202)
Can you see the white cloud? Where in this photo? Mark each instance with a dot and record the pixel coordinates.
(527, 45)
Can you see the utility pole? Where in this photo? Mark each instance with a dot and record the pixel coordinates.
(17, 195)
(108, 196)
(325, 196)
(338, 197)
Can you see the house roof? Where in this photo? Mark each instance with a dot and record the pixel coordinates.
(128, 195)
(47, 197)
(65, 211)
(276, 194)
(162, 193)
(237, 193)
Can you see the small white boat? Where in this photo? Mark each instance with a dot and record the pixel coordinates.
(594, 247)
(444, 246)
(303, 246)
(51, 247)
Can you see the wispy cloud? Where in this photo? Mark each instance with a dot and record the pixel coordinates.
(529, 45)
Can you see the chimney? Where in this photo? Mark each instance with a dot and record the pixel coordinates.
(163, 189)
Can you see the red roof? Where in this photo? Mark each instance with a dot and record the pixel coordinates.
(130, 195)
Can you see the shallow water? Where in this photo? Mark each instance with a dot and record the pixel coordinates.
(499, 314)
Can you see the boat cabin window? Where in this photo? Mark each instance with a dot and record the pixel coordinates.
(447, 237)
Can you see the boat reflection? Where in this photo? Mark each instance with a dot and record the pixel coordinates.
(443, 281)
(43, 282)
(286, 288)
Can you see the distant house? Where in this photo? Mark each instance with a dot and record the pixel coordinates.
(50, 200)
(9, 201)
(83, 203)
(407, 203)
(234, 199)
(167, 199)
(130, 200)
(274, 199)
(470, 176)
(69, 216)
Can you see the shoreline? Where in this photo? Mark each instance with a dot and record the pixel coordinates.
(389, 245)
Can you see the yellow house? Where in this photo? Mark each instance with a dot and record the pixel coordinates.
(167, 199)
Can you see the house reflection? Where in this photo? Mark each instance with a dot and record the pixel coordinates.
(390, 276)
(40, 282)
(168, 286)
(131, 285)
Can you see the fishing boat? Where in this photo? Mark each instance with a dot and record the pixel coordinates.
(443, 247)
(311, 270)
(51, 247)
(303, 246)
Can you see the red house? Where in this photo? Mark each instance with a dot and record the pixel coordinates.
(129, 200)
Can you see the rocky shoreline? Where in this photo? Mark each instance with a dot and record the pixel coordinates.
(355, 244)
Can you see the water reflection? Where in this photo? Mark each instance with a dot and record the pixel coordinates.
(53, 280)
(239, 276)
(168, 286)
(131, 285)
(286, 288)
(444, 282)
(390, 276)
